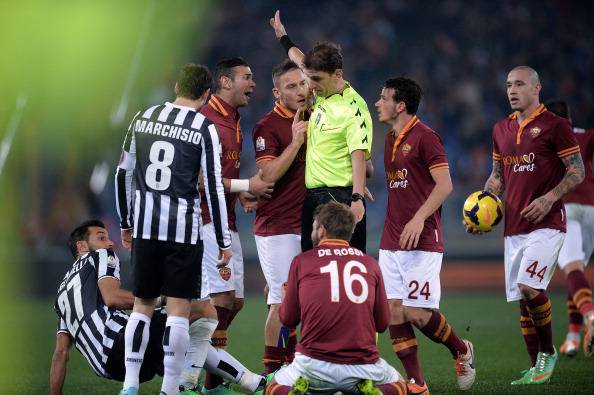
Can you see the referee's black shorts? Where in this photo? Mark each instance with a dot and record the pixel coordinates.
(166, 268)
(153, 356)
(318, 196)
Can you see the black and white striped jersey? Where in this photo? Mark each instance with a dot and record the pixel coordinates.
(165, 149)
(81, 311)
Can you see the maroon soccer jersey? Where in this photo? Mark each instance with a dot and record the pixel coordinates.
(584, 193)
(282, 213)
(338, 294)
(531, 157)
(408, 160)
(226, 119)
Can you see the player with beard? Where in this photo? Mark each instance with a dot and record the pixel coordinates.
(536, 163)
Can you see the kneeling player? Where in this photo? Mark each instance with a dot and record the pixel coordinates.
(338, 295)
(90, 306)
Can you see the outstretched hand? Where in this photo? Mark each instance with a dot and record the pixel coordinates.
(277, 25)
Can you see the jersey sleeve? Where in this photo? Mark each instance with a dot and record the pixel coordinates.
(210, 164)
(108, 264)
(563, 139)
(290, 310)
(496, 150)
(61, 327)
(123, 178)
(266, 144)
(359, 129)
(433, 153)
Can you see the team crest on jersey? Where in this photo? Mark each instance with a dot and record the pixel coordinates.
(534, 132)
(406, 149)
(111, 261)
(260, 144)
(225, 273)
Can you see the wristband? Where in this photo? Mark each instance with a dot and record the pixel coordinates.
(286, 42)
(239, 185)
(357, 196)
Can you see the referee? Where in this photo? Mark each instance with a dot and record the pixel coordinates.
(339, 135)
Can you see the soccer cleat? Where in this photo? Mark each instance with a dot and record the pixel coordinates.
(415, 389)
(570, 347)
(526, 377)
(264, 383)
(589, 334)
(366, 387)
(220, 389)
(464, 364)
(189, 391)
(300, 386)
(129, 391)
(545, 364)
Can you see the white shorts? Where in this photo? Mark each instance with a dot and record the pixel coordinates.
(276, 254)
(530, 259)
(579, 240)
(412, 276)
(327, 377)
(213, 280)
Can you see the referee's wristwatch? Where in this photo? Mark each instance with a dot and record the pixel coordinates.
(357, 196)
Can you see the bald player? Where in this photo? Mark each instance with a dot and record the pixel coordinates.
(536, 162)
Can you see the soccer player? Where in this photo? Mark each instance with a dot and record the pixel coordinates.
(579, 243)
(234, 84)
(339, 136)
(411, 247)
(536, 162)
(337, 293)
(165, 149)
(90, 307)
(280, 152)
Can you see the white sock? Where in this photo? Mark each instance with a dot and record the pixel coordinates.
(201, 332)
(136, 340)
(223, 364)
(573, 336)
(175, 345)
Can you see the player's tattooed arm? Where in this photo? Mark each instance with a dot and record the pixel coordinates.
(495, 182)
(574, 175)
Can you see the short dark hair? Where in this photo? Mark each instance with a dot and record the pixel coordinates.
(80, 233)
(406, 90)
(225, 68)
(558, 107)
(282, 68)
(325, 56)
(193, 81)
(338, 219)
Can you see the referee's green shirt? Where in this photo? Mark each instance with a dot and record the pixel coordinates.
(339, 124)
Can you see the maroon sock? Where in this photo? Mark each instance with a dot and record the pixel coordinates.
(540, 312)
(273, 358)
(528, 332)
(438, 330)
(404, 344)
(291, 344)
(580, 291)
(397, 388)
(219, 340)
(276, 389)
(576, 319)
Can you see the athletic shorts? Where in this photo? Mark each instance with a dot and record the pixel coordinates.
(579, 240)
(530, 259)
(166, 268)
(412, 276)
(328, 377)
(153, 357)
(227, 278)
(276, 254)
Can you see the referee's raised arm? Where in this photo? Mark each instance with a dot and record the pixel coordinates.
(294, 53)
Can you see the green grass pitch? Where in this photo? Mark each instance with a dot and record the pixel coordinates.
(484, 318)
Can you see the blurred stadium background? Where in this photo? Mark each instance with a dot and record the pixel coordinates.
(73, 73)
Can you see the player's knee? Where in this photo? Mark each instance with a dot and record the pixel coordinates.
(573, 266)
(527, 292)
(396, 311)
(202, 309)
(417, 316)
(238, 304)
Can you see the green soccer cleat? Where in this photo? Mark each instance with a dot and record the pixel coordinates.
(189, 391)
(545, 364)
(264, 383)
(300, 386)
(526, 377)
(366, 387)
(129, 391)
(220, 389)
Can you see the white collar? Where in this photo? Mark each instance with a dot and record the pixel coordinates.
(180, 107)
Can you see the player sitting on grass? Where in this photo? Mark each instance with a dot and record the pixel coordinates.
(337, 293)
(90, 306)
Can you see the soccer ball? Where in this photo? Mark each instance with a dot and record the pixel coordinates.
(482, 210)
